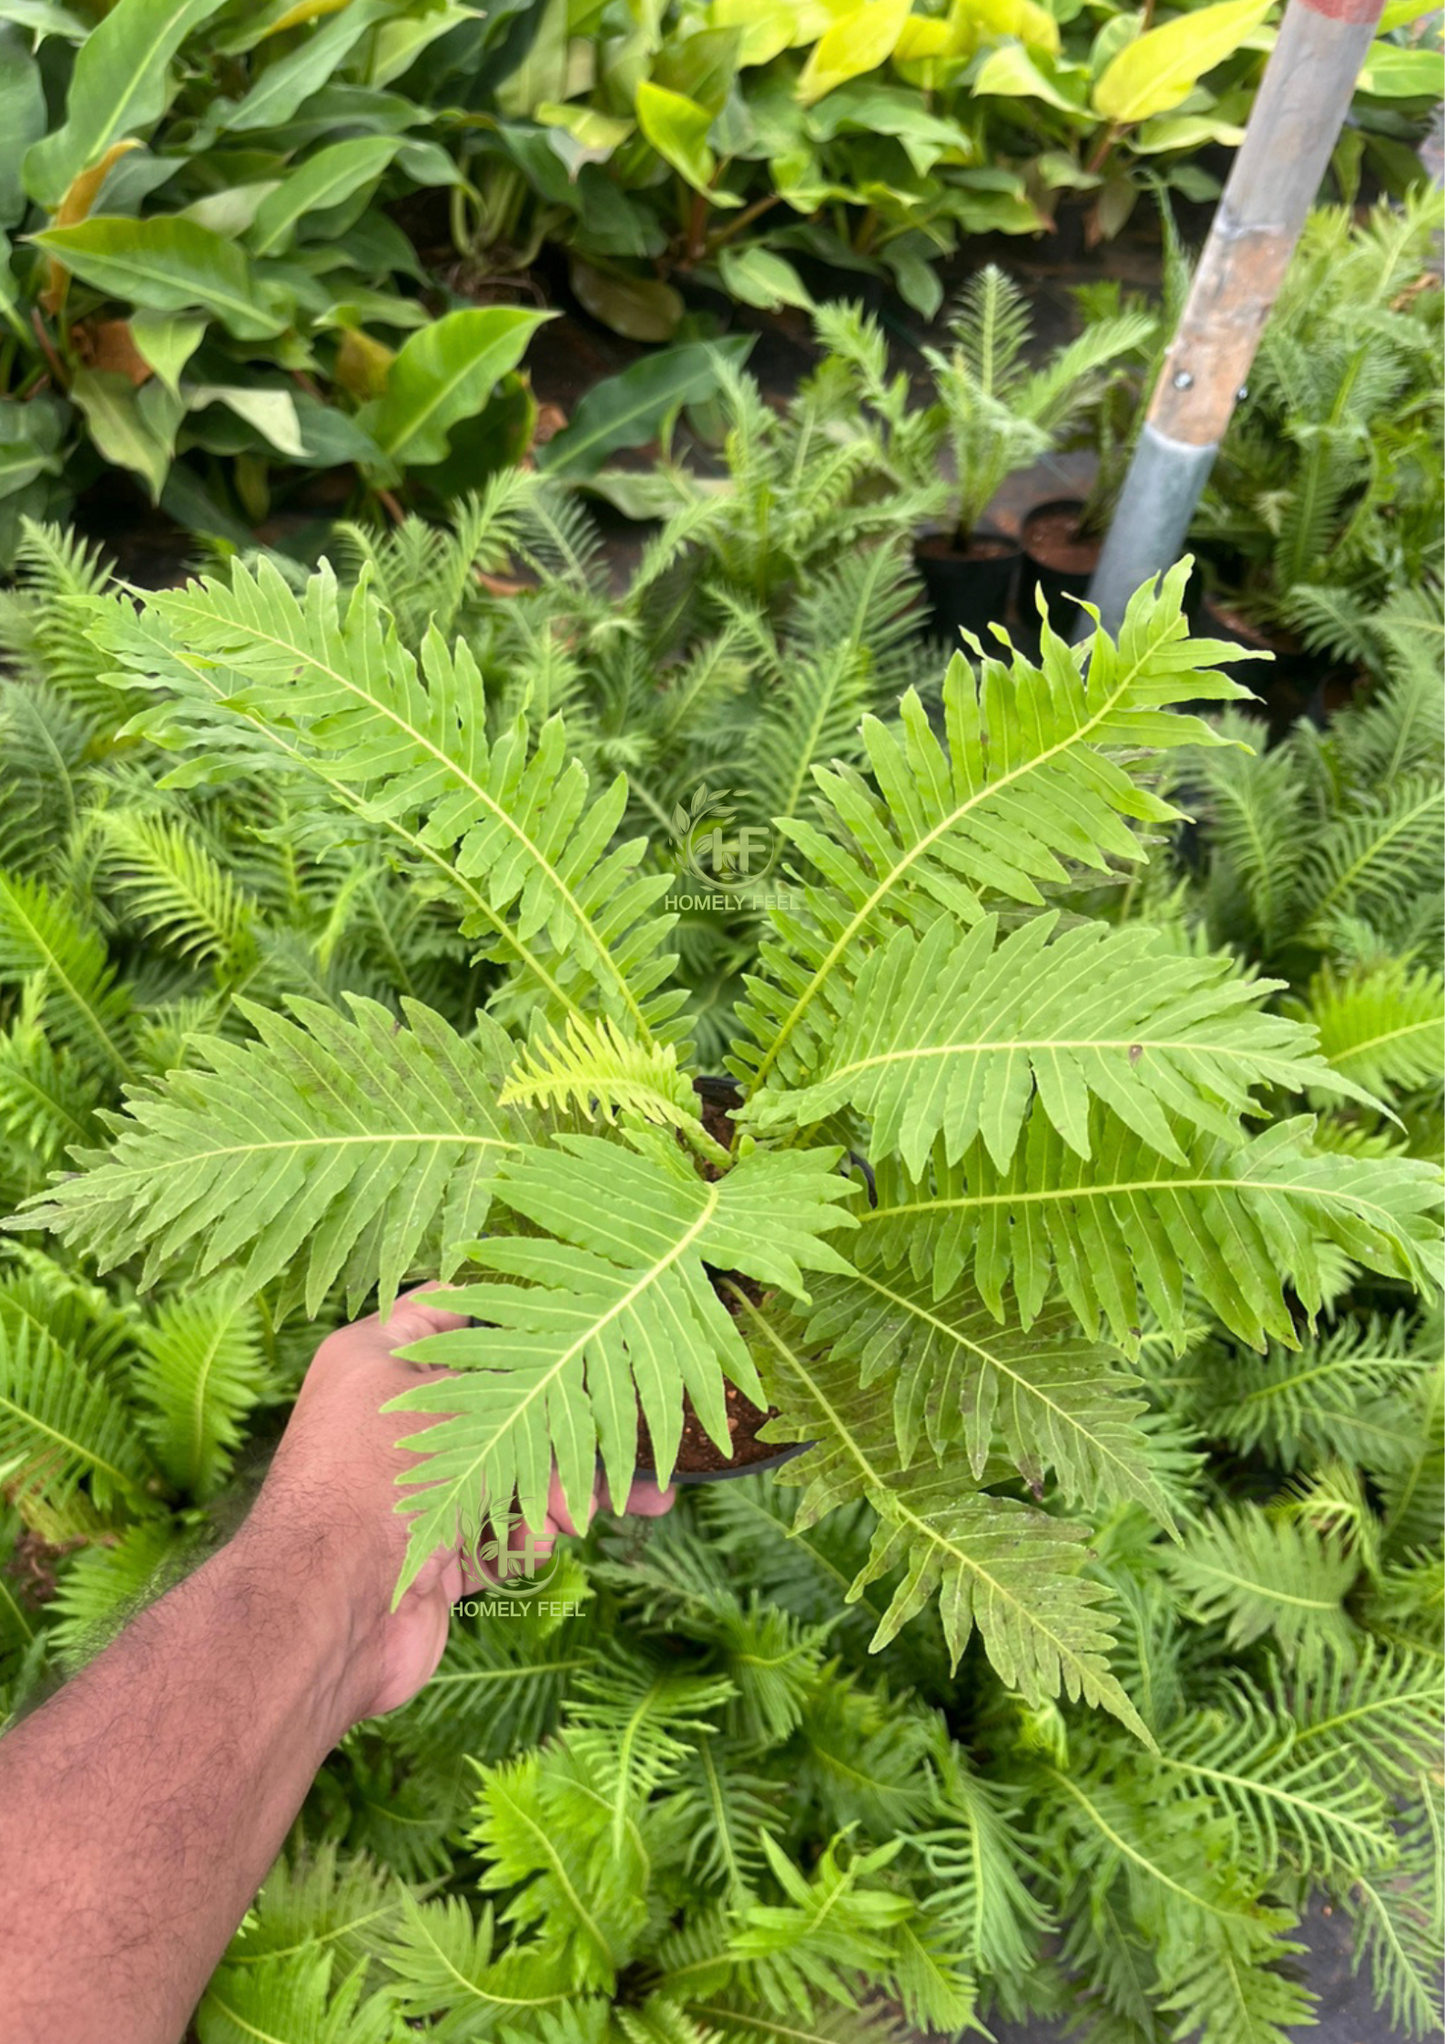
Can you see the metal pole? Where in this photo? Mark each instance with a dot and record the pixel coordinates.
(1303, 99)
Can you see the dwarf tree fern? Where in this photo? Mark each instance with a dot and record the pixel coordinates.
(885, 1009)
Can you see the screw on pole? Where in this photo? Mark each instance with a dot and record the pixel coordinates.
(1303, 99)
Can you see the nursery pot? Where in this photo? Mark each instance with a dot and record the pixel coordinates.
(968, 587)
(1291, 685)
(1057, 560)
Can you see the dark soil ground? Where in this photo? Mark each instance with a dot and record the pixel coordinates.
(1346, 2011)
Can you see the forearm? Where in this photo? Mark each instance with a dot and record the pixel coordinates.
(188, 1745)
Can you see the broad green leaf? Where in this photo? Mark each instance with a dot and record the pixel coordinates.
(1160, 68)
(397, 44)
(167, 341)
(443, 374)
(542, 73)
(642, 308)
(232, 211)
(30, 437)
(42, 19)
(169, 265)
(271, 412)
(1031, 23)
(136, 429)
(677, 127)
(758, 277)
(121, 82)
(595, 133)
(1185, 131)
(323, 180)
(1011, 73)
(629, 409)
(859, 42)
(286, 84)
(1392, 73)
(22, 119)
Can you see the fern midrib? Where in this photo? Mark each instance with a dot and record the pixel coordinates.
(893, 1507)
(1065, 1420)
(718, 1801)
(82, 1004)
(1263, 1188)
(989, 791)
(197, 1435)
(1145, 1865)
(543, 1382)
(359, 806)
(459, 1136)
(1344, 881)
(1428, 1699)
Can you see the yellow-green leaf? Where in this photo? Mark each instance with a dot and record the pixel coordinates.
(168, 264)
(677, 126)
(1012, 73)
(859, 42)
(1160, 69)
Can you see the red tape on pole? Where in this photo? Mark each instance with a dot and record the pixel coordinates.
(1345, 10)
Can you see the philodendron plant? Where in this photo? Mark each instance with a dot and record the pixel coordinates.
(982, 1142)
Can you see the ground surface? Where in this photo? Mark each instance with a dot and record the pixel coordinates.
(1346, 2012)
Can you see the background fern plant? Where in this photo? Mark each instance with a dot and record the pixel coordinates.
(338, 877)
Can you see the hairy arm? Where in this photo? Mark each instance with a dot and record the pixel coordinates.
(141, 1807)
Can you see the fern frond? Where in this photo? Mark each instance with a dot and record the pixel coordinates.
(317, 1896)
(542, 1843)
(1127, 1229)
(1309, 1809)
(1058, 1403)
(617, 1311)
(343, 1138)
(202, 1370)
(62, 1425)
(1258, 1575)
(43, 939)
(633, 1725)
(440, 1958)
(954, 1039)
(1027, 782)
(260, 674)
(1381, 1027)
(1037, 1616)
(293, 1999)
(176, 887)
(1383, 852)
(597, 1071)
(1335, 1396)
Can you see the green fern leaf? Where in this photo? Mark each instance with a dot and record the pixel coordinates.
(964, 1038)
(1030, 779)
(1128, 1229)
(347, 1138)
(1382, 1028)
(44, 940)
(1059, 1403)
(291, 2000)
(618, 1310)
(255, 673)
(994, 1563)
(202, 1370)
(62, 1425)
(1257, 1575)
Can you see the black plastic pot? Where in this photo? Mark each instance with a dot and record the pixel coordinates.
(971, 588)
(727, 1475)
(1042, 572)
(1290, 684)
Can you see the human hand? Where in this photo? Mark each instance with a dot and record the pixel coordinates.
(328, 1506)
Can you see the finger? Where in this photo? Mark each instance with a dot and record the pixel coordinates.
(648, 1500)
(414, 1315)
(559, 1513)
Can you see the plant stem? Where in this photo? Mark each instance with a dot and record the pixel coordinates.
(744, 219)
